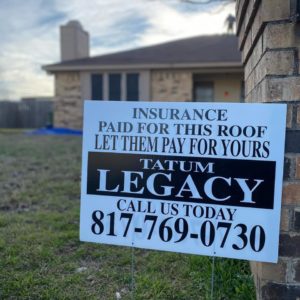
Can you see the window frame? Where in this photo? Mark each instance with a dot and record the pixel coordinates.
(197, 83)
(107, 89)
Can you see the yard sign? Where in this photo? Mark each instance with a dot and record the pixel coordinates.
(201, 178)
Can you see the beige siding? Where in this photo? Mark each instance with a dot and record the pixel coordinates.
(68, 103)
(227, 87)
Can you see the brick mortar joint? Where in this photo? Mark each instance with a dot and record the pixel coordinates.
(290, 234)
(250, 23)
(294, 102)
(292, 155)
(254, 69)
(296, 61)
(288, 283)
(291, 181)
(278, 22)
(268, 76)
(243, 10)
(288, 49)
(254, 43)
(281, 49)
(258, 84)
(259, 34)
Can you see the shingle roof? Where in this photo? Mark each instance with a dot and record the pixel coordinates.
(200, 49)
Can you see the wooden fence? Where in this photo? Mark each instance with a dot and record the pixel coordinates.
(25, 114)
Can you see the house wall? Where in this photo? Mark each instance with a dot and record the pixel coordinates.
(171, 85)
(144, 83)
(72, 88)
(269, 38)
(177, 85)
(68, 105)
(227, 86)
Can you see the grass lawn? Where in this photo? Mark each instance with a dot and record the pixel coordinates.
(40, 253)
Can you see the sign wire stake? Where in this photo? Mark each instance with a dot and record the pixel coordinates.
(212, 279)
(132, 273)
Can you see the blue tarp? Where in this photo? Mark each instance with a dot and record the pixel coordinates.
(55, 131)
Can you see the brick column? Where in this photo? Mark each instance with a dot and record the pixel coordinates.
(269, 38)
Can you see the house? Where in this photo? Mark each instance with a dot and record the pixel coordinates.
(201, 68)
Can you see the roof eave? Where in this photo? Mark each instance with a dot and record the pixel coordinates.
(62, 68)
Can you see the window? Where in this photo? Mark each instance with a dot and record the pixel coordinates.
(97, 87)
(132, 87)
(114, 88)
(203, 91)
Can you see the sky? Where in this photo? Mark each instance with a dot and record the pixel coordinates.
(29, 33)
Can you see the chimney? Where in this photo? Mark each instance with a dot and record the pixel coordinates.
(74, 41)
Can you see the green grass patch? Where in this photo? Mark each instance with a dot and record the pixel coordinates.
(40, 253)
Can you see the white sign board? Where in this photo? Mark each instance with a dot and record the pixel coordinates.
(201, 178)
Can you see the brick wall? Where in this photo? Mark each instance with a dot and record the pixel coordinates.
(269, 38)
(171, 85)
(68, 105)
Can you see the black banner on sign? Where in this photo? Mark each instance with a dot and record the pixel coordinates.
(243, 183)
